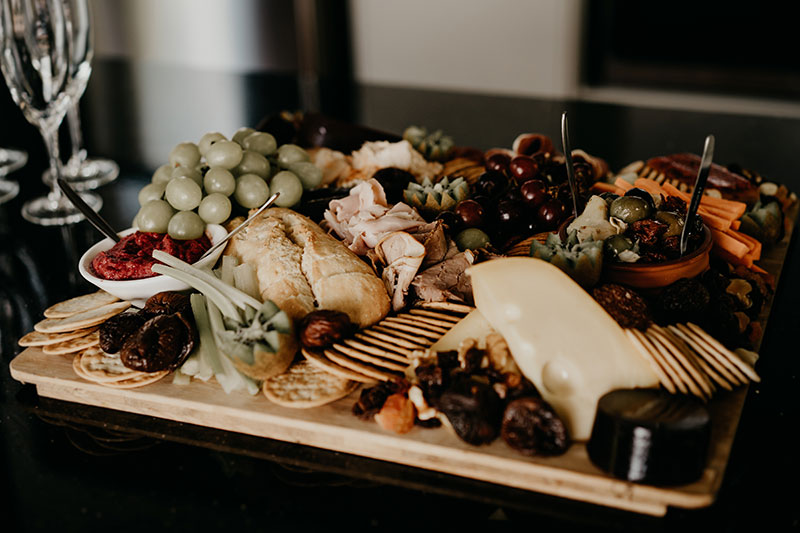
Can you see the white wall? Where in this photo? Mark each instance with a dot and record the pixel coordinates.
(521, 47)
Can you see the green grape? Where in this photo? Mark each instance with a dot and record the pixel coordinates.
(187, 172)
(225, 154)
(215, 208)
(241, 133)
(290, 187)
(185, 154)
(154, 216)
(252, 163)
(219, 180)
(208, 139)
(261, 142)
(310, 174)
(251, 191)
(151, 191)
(163, 174)
(183, 193)
(291, 153)
(186, 225)
(471, 238)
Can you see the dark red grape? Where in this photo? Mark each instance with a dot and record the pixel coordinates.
(534, 192)
(451, 220)
(471, 212)
(550, 213)
(490, 183)
(513, 194)
(510, 212)
(498, 162)
(485, 201)
(523, 168)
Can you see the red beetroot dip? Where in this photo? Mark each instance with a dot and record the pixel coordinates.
(131, 257)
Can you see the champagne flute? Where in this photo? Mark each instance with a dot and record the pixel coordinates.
(82, 173)
(37, 43)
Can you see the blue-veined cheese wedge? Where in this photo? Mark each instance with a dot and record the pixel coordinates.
(560, 337)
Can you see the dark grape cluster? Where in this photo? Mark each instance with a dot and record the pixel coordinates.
(516, 196)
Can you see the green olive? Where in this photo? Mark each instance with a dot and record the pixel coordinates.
(673, 220)
(629, 209)
(471, 239)
(616, 244)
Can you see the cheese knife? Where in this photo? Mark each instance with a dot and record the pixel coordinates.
(91, 215)
(573, 186)
(241, 226)
(699, 187)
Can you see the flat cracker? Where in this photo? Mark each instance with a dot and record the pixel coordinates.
(375, 350)
(685, 356)
(663, 361)
(369, 358)
(403, 352)
(645, 352)
(417, 319)
(448, 306)
(363, 368)
(731, 356)
(85, 319)
(661, 344)
(421, 343)
(76, 305)
(139, 381)
(329, 366)
(37, 338)
(368, 334)
(434, 314)
(420, 323)
(73, 345)
(719, 370)
(430, 336)
(305, 385)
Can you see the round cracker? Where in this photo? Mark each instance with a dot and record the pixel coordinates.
(102, 367)
(73, 345)
(76, 305)
(338, 370)
(85, 319)
(37, 338)
(139, 381)
(305, 385)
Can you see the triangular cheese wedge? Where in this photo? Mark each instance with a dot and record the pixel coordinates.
(560, 337)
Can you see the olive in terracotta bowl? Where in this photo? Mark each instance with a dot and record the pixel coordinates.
(137, 291)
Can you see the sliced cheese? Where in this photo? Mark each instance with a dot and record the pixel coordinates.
(472, 326)
(560, 337)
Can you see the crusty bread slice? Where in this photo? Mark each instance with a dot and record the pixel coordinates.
(301, 268)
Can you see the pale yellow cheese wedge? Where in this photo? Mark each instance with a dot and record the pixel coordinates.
(472, 326)
(560, 337)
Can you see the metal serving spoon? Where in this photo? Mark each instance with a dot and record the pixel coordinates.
(699, 187)
(573, 186)
(91, 215)
(241, 226)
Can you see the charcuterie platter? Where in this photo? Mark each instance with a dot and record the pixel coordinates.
(438, 307)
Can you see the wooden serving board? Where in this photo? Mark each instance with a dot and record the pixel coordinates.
(333, 427)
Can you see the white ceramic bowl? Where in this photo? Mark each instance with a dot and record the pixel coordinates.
(137, 291)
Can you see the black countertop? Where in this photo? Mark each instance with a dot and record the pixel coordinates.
(70, 467)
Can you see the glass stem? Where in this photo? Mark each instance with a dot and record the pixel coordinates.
(50, 136)
(76, 138)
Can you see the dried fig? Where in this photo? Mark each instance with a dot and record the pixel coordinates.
(168, 302)
(116, 330)
(162, 343)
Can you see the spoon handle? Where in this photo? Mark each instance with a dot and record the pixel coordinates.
(573, 186)
(699, 187)
(96, 220)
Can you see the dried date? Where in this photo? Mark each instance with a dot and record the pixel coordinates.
(531, 427)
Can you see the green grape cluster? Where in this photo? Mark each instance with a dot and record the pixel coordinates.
(199, 183)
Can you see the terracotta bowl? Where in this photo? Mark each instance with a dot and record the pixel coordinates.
(657, 275)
